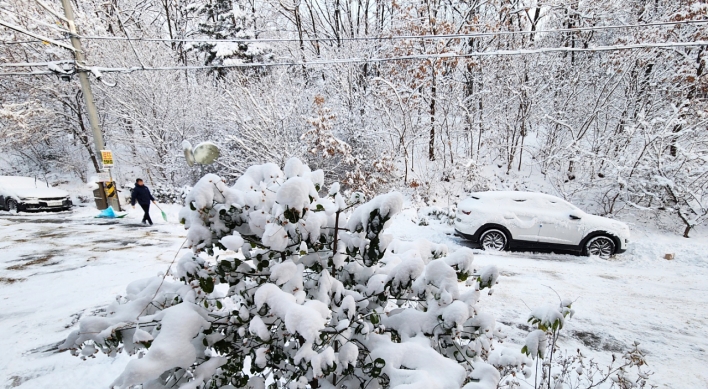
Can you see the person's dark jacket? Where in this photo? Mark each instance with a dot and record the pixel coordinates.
(141, 195)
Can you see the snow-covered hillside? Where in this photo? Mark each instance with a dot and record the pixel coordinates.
(58, 267)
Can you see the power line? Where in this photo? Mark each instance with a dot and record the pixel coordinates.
(416, 57)
(47, 73)
(34, 35)
(21, 42)
(47, 25)
(35, 64)
(380, 38)
(545, 50)
(401, 37)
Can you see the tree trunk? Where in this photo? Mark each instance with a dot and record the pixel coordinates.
(686, 231)
(431, 143)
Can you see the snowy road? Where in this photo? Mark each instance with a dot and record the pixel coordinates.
(55, 267)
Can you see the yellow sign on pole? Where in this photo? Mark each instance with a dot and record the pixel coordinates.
(107, 158)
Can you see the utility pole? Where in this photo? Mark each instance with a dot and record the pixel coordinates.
(88, 95)
(83, 78)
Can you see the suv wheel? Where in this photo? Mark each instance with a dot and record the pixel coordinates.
(601, 246)
(493, 240)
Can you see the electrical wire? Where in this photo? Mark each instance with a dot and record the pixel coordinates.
(35, 35)
(19, 42)
(389, 38)
(54, 27)
(35, 64)
(400, 37)
(47, 73)
(442, 56)
(412, 57)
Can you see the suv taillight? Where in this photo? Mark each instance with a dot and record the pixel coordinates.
(466, 212)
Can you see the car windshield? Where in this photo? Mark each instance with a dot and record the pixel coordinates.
(22, 183)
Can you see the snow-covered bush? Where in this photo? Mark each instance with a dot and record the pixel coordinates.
(445, 215)
(557, 369)
(291, 288)
(170, 195)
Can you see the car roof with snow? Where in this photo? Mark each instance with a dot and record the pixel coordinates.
(20, 182)
(518, 197)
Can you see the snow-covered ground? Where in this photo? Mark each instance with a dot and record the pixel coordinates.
(637, 296)
(55, 267)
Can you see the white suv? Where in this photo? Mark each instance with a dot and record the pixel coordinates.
(504, 220)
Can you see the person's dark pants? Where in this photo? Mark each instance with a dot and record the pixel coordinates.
(146, 217)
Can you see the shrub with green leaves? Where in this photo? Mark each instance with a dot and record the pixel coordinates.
(290, 285)
(558, 369)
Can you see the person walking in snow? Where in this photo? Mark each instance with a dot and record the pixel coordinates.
(141, 194)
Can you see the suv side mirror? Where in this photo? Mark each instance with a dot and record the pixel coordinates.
(574, 217)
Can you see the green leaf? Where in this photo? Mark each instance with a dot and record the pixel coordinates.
(226, 265)
(219, 304)
(207, 284)
(374, 317)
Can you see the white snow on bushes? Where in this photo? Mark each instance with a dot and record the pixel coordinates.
(171, 348)
(275, 237)
(291, 286)
(252, 178)
(208, 189)
(348, 354)
(258, 328)
(283, 272)
(306, 320)
(294, 168)
(407, 268)
(233, 242)
(427, 249)
(414, 365)
(387, 204)
(295, 193)
(485, 375)
(198, 236)
(204, 372)
(462, 260)
(548, 315)
(489, 276)
(141, 336)
(536, 343)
